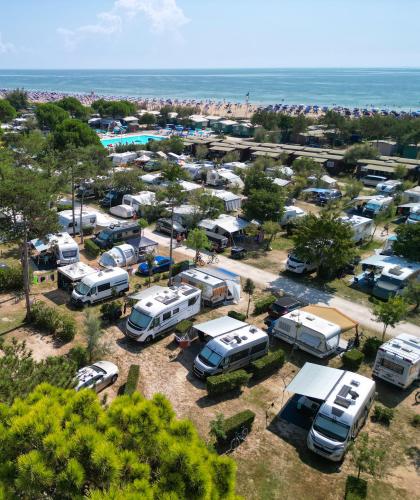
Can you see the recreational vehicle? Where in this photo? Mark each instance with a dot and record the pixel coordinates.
(291, 213)
(116, 233)
(214, 328)
(123, 211)
(389, 187)
(232, 351)
(398, 361)
(59, 249)
(65, 220)
(362, 227)
(414, 217)
(156, 313)
(377, 205)
(69, 276)
(344, 399)
(100, 286)
(140, 200)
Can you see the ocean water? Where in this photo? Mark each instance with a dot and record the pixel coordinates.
(389, 88)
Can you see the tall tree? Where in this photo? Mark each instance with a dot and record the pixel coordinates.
(50, 115)
(197, 240)
(390, 313)
(74, 107)
(7, 111)
(271, 228)
(18, 98)
(96, 348)
(72, 132)
(408, 241)
(249, 288)
(263, 205)
(412, 293)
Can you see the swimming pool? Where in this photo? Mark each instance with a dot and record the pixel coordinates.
(133, 139)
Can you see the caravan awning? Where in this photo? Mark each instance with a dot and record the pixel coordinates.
(332, 315)
(219, 326)
(315, 381)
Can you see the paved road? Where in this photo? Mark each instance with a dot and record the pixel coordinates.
(263, 278)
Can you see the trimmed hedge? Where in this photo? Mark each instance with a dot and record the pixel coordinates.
(371, 346)
(237, 315)
(383, 415)
(92, 249)
(353, 359)
(236, 423)
(52, 321)
(11, 279)
(132, 379)
(267, 364)
(262, 305)
(179, 267)
(226, 382)
(183, 326)
(356, 488)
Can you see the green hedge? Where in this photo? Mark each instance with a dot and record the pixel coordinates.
(236, 423)
(92, 249)
(353, 359)
(371, 346)
(183, 326)
(11, 279)
(112, 311)
(383, 415)
(356, 488)
(267, 364)
(226, 382)
(262, 305)
(179, 267)
(132, 379)
(52, 321)
(79, 355)
(237, 315)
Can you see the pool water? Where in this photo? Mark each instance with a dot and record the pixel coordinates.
(133, 139)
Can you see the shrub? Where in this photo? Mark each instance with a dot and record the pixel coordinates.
(237, 315)
(183, 326)
(356, 488)
(156, 277)
(415, 421)
(353, 359)
(267, 364)
(67, 329)
(262, 305)
(53, 322)
(179, 267)
(112, 311)
(11, 279)
(226, 382)
(132, 379)
(371, 346)
(79, 355)
(165, 276)
(382, 414)
(234, 424)
(88, 231)
(92, 249)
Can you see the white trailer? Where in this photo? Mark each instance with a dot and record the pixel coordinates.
(123, 211)
(291, 213)
(398, 361)
(140, 200)
(362, 227)
(65, 220)
(377, 205)
(157, 313)
(61, 247)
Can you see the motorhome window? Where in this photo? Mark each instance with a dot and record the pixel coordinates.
(331, 428)
(175, 311)
(258, 347)
(68, 254)
(92, 220)
(386, 363)
(209, 357)
(192, 301)
(166, 316)
(285, 326)
(390, 279)
(104, 235)
(415, 216)
(105, 286)
(82, 289)
(140, 319)
(239, 355)
(373, 206)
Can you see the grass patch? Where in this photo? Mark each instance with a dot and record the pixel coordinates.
(11, 323)
(281, 243)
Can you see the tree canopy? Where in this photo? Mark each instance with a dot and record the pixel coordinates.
(390, 313)
(18, 98)
(263, 205)
(50, 115)
(74, 132)
(7, 111)
(74, 107)
(114, 109)
(408, 241)
(58, 443)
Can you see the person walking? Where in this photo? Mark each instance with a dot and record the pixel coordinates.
(385, 230)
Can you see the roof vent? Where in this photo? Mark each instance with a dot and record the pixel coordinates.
(238, 339)
(252, 329)
(356, 383)
(243, 337)
(149, 304)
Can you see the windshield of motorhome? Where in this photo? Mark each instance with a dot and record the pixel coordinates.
(82, 289)
(331, 428)
(140, 319)
(209, 357)
(104, 235)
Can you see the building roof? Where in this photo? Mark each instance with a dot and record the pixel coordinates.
(332, 315)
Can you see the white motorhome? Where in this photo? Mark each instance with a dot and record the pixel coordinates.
(388, 187)
(343, 400)
(69, 276)
(377, 205)
(398, 361)
(362, 227)
(291, 213)
(65, 220)
(158, 311)
(230, 352)
(123, 211)
(298, 266)
(100, 286)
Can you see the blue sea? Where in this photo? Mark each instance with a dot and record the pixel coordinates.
(383, 88)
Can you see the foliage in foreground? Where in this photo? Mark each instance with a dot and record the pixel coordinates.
(62, 444)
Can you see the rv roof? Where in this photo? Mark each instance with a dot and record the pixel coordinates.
(405, 346)
(311, 321)
(165, 296)
(355, 220)
(242, 336)
(77, 270)
(93, 278)
(202, 277)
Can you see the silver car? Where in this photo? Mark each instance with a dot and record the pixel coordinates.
(96, 376)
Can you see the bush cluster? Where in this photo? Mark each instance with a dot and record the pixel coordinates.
(352, 360)
(11, 279)
(226, 382)
(79, 355)
(237, 315)
(92, 249)
(112, 311)
(236, 423)
(262, 305)
(132, 379)
(371, 346)
(183, 326)
(267, 364)
(356, 488)
(53, 322)
(178, 267)
(383, 415)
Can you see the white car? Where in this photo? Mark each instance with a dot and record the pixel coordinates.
(96, 376)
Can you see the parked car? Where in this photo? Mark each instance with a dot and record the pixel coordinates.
(164, 226)
(97, 376)
(284, 305)
(3, 265)
(160, 265)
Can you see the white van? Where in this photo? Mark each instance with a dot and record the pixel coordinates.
(373, 180)
(160, 310)
(398, 361)
(65, 220)
(295, 265)
(377, 205)
(100, 286)
(231, 352)
(389, 187)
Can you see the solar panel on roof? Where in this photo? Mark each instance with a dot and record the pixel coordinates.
(341, 401)
(337, 412)
(188, 292)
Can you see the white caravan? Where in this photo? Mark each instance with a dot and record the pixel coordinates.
(232, 351)
(65, 220)
(344, 399)
(362, 227)
(61, 245)
(123, 211)
(398, 361)
(298, 266)
(140, 200)
(100, 286)
(388, 187)
(120, 256)
(160, 310)
(291, 213)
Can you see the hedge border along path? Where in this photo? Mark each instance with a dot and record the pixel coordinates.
(226, 382)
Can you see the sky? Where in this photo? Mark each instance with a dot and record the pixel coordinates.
(135, 34)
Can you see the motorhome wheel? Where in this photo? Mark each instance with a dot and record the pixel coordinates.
(148, 339)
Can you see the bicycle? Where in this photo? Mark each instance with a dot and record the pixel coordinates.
(239, 438)
(213, 259)
(199, 261)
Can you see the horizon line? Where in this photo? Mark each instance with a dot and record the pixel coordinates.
(210, 68)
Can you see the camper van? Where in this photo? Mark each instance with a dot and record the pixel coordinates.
(377, 205)
(231, 352)
(389, 187)
(362, 227)
(65, 220)
(372, 180)
(69, 276)
(398, 361)
(157, 312)
(295, 265)
(116, 233)
(100, 286)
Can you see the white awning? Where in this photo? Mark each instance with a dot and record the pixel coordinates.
(315, 381)
(219, 326)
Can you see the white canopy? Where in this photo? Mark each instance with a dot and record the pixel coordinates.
(315, 381)
(219, 326)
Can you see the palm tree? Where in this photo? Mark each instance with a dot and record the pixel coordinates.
(249, 288)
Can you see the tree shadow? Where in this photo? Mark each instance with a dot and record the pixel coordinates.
(57, 296)
(390, 395)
